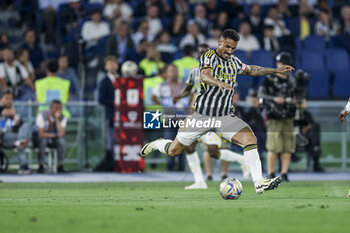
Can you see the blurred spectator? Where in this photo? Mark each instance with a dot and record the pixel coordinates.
(232, 8)
(165, 46)
(51, 129)
(325, 26)
(52, 88)
(119, 43)
(4, 40)
(304, 21)
(15, 78)
(180, 7)
(256, 121)
(178, 26)
(345, 19)
(255, 19)
(106, 99)
(94, 29)
(269, 42)
(200, 18)
(22, 59)
(14, 132)
(35, 52)
(152, 63)
(4, 43)
(283, 9)
(154, 23)
(193, 36)
(163, 7)
(70, 17)
(211, 7)
(247, 42)
(222, 21)
(163, 95)
(140, 52)
(322, 5)
(142, 32)
(114, 8)
(49, 9)
(279, 27)
(186, 63)
(212, 42)
(68, 73)
(150, 83)
(310, 129)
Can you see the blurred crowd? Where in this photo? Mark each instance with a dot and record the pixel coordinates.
(152, 33)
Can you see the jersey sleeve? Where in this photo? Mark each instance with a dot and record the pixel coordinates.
(241, 67)
(207, 60)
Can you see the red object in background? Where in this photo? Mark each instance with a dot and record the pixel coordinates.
(128, 133)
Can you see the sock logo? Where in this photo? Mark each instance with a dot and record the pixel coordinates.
(151, 120)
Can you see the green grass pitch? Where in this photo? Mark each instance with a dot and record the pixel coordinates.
(319, 206)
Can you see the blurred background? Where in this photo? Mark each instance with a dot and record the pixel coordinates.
(80, 34)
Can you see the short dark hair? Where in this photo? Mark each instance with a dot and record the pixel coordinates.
(55, 102)
(188, 50)
(52, 66)
(95, 11)
(231, 34)
(8, 92)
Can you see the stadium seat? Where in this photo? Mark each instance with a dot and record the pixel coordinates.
(243, 85)
(318, 86)
(262, 58)
(337, 59)
(100, 48)
(341, 83)
(311, 60)
(242, 55)
(315, 43)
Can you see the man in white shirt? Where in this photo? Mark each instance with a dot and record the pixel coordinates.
(13, 76)
(155, 25)
(94, 29)
(279, 27)
(193, 36)
(248, 42)
(52, 128)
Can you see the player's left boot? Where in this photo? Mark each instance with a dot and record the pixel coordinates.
(198, 185)
(267, 184)
(148, 148)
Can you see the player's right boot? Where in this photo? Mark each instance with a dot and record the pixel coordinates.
(197, 185)
(148, 148)
(267, 184)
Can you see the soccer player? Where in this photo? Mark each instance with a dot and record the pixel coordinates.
(219, 69)
(344, 112)
(210, 139)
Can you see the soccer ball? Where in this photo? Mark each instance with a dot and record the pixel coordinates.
(129, 69)
(231, 188)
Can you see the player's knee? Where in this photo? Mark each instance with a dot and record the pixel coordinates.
(213, 152)
(190, 150)
(173, 152)
(250, 139)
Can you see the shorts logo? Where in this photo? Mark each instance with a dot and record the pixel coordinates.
(151, 120)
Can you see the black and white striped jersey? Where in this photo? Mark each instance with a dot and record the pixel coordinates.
(194, 78)
(212, 101)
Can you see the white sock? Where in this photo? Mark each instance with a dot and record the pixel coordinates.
(231, 156)
(161, 143)
(252, 160)
(195, 166)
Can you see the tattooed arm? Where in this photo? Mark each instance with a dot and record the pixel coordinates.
(261, 71)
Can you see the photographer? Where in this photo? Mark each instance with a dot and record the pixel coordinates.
(278, 98)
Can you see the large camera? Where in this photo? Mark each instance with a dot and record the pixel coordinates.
(301, 82)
